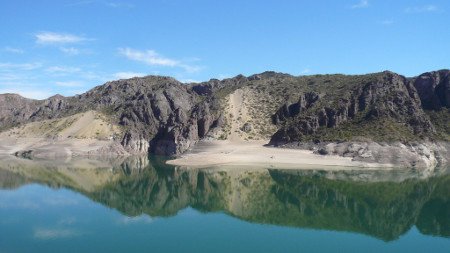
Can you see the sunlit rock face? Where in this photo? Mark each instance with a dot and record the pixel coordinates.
(163, 116)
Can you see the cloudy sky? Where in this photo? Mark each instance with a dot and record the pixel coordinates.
(68, 47)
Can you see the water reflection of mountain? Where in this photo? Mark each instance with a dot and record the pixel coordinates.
(362, 202)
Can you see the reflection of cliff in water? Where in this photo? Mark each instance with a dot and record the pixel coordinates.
(362, 202)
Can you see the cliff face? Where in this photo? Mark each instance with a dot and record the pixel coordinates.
(163, 116)
(157, 114)
(381, 107)
(433, 89)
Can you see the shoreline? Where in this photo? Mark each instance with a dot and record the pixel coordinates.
(256, 153)
(241, 153)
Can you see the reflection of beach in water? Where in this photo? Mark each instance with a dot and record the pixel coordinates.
(384, 204)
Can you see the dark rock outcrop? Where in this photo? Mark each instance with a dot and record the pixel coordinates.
(433, 89)
(287, 111)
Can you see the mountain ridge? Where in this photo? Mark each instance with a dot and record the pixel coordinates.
(159, 114)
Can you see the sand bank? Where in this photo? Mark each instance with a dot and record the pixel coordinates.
(254, 153)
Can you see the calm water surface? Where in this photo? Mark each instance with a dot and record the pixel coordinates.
(141, 205)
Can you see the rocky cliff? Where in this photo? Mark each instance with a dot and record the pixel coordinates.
(163, 116)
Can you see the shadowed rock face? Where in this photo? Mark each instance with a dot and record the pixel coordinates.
(381, 204)
(434, 89)
(163, 116)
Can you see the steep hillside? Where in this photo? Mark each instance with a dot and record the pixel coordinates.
(163, 116)
(379, 107)
(87, 125)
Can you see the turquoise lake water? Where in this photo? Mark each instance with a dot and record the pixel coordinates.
(152, 208)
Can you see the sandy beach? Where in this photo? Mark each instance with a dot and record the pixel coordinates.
(254, 153)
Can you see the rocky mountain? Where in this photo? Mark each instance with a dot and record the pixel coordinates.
(164, 116)
(380, 107)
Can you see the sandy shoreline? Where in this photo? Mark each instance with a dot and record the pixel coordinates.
(254, 153)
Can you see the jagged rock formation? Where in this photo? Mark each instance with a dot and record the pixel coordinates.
(163, 116)
(385, 99)
(157, 114)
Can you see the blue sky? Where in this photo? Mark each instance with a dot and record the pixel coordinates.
(68, 47)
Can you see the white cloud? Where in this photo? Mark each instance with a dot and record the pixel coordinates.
(127, 75)
(149, 57)
(122, 5)
(58, 38)
(13, 50)
(223, 76)
(119, 5)
(62, 69)
(85, 2)
(8, 77)
(190, 68)
(420, 9)
(387, 22)
(152, 58)
(19, 66)
(361, 4)
(305, 71)
(94, 76)
(70, 50)
(70, 84)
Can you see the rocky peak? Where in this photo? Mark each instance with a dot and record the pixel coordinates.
(268, 75)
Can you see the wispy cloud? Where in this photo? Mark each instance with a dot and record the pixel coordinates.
(127, 75)
(387, 22)
(58, 38)
(83, 2)
(13, 50)
(361, 4)
(69, 84)
(8, 77)
(111, 4)
(70, 50)
(149, 57)
(421, 9)
(62, 69)
(119, 5)
(152, 58)
(305, 71)
(19, 66)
